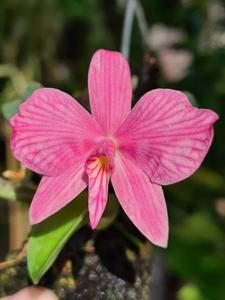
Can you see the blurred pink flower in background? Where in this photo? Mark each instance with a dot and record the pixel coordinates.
(162, 140)
(163, 37)
(174, 63)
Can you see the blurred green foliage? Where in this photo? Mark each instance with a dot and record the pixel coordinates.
(52, 41)
(10, 108)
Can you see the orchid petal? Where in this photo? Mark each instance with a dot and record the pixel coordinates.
(98, 171)
(166, 136)
(52, 131)
(55, 192)
(142, 201)
(110, 89)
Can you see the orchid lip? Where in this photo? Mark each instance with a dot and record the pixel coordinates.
(99, 167)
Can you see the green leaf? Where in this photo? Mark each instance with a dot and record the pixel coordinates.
(12, 107)
(48, 238)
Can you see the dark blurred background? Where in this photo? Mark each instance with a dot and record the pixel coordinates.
(177, 44)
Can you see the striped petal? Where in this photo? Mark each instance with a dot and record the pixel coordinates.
(98, 168)
(54, 192)
(110, 89)
(52, 131)
(98, 171)
(166, 136)
(142, 201)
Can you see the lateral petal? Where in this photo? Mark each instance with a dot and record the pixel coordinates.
(166, 136)
(142, 201)
(52, 131)
(55, 192)
(110, 89)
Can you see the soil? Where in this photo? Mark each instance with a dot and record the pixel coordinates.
(99, 265)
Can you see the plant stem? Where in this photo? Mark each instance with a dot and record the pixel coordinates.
(127, 27)
(133, 7)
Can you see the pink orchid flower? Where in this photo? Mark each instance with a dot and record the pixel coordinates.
(162, 140)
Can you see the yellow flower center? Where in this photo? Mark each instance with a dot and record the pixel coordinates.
(103, 161)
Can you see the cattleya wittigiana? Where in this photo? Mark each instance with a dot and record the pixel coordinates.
(162, 140)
